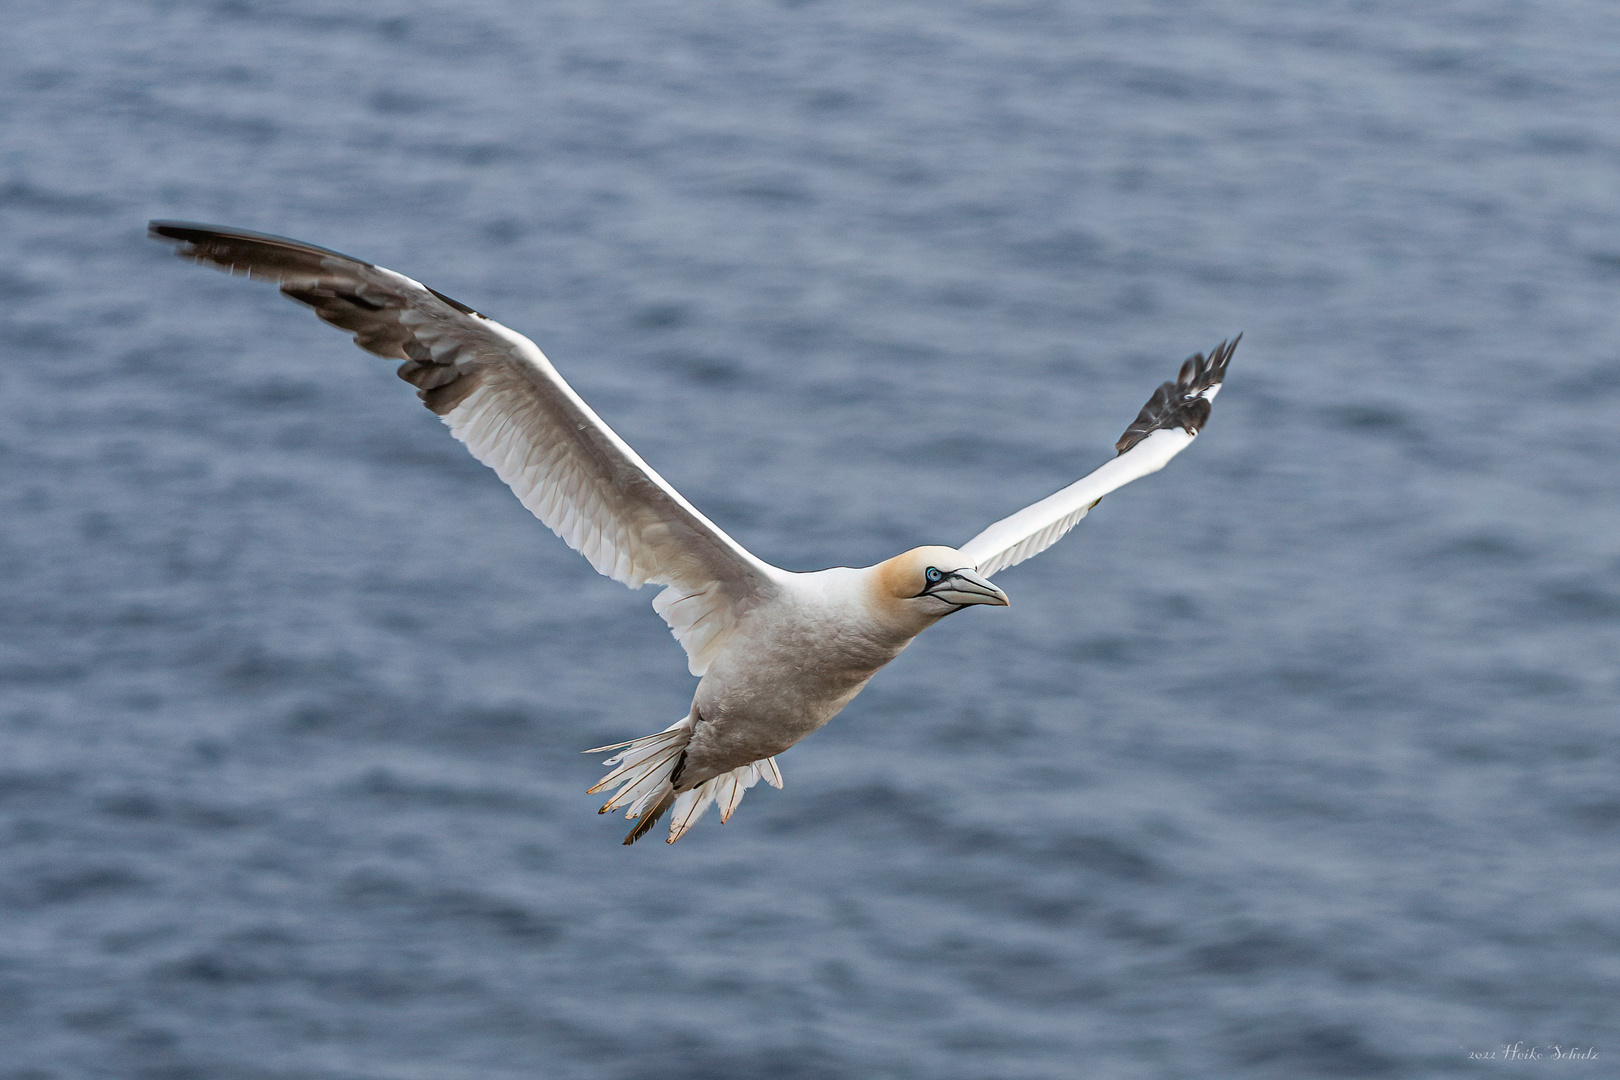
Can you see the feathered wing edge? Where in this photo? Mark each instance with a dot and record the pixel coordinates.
(1167, 425)
(515, 413)
(644, 773)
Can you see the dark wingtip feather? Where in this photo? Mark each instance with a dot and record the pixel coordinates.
(457, 304)
(201, 237)
(1181, 403)
(241, 251)
(173, 230)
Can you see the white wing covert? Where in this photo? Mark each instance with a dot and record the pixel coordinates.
(1165, 427)
(503, 399)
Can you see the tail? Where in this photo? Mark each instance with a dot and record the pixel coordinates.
(645, 782)
(649, 819)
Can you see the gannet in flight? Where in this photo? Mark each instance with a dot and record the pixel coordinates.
(778, 653)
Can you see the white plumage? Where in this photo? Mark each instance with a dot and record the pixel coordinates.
(778, 653)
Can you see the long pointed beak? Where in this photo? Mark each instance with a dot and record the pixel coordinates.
(964, 587)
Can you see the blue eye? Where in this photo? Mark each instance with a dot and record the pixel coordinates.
(933, 575)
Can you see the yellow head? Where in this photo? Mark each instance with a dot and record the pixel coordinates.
(928, 583)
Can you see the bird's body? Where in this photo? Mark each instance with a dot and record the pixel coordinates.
(794, 663)
(779, 654)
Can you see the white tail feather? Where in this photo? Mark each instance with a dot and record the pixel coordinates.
(727, 794)
(651, 780)
(688, 808)
(644, 768)
(642, 779)
(632, 759)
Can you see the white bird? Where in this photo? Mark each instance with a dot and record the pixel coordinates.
(778, 653)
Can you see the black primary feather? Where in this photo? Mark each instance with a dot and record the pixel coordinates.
(1181, 403)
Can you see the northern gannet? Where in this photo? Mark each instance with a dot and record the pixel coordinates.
(778, 653)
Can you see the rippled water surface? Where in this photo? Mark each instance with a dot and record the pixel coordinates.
(1297, 759)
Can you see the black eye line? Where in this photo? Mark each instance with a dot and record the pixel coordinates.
(931, 582)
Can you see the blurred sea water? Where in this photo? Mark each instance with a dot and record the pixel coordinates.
(1297, 759)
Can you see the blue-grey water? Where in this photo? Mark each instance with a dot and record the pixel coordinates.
(1297, 759)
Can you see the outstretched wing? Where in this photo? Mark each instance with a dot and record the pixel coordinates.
(1165, 427)
(502, 397)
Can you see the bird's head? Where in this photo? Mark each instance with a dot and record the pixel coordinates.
(928, 583)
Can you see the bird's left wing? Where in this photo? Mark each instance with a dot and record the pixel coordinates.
(502, 397)
(1165, 427)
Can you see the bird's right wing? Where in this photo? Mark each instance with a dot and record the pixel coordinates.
(1166, 426)
(502, 397)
